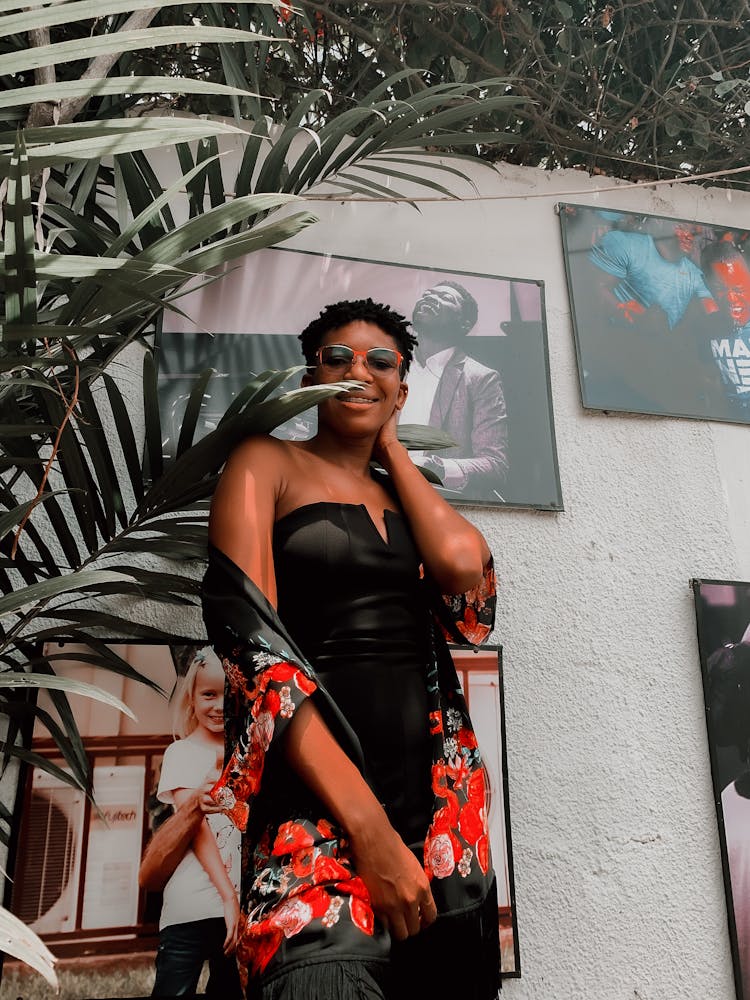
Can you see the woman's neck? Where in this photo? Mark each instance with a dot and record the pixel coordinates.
(351, 456)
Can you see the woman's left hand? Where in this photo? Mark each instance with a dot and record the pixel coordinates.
(387, 437)
(457, 564)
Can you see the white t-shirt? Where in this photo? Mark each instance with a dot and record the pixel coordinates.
(732, 355)
(190, 894)
(423, 380)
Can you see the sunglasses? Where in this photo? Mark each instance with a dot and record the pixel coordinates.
(338, 359)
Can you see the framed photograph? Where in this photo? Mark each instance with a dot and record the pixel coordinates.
(723, 616)
(75, 879)
(481, 372)
(661, 313)
(481, 675)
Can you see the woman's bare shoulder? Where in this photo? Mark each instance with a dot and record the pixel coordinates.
(258, 446)
(255, 468)
(261, 454)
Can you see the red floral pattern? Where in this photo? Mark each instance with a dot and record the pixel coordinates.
(298, 877)
(361, 914)
(458, 833)
(290, 837)
(308, 883)
(301, 872)
(472, 614)
(268, 702)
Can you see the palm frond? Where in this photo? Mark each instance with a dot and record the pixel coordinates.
(23, 681)
(94, 245)
(18, 940)
(19, 264)
(18, 97)
(117, 42)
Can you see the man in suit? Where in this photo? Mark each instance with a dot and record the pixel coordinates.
(453, 391)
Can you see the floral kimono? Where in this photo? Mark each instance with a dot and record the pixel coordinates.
(301, 900)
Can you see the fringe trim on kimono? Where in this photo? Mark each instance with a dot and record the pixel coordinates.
(341, 980)
(458, 957)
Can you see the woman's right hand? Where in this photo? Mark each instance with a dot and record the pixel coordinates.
(399, 890)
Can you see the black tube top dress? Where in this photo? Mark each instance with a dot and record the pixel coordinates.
(351, 601)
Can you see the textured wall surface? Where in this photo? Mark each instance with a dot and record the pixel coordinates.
(618, 878)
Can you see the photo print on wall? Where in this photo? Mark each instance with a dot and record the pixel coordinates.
(75, 877)
(481, 373)
(723, 618)
(661, 313)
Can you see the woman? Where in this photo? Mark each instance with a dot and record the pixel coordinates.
(351, 761)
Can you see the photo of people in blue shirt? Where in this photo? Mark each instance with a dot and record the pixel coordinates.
(661, 309)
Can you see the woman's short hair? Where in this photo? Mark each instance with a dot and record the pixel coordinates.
(334, 316)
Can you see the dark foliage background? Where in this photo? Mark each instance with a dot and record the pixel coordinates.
(629, 88)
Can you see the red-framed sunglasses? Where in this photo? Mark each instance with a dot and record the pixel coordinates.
(338, 359)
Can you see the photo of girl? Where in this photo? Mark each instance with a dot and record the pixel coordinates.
(200, 909)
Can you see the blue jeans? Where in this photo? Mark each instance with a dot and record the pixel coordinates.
(183, 948)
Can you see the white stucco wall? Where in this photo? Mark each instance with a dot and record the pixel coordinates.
(619, 889)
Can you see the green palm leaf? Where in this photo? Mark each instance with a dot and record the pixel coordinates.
(206, 457)
(81, 580)
(133, 136)
(80, 10)
(13, 518)
(419, 437)
(14, 680)
(19, 265)
(99, 652)
(115, 86)
(117, 42)
(192, 411)
(258, 389)
(25, 715)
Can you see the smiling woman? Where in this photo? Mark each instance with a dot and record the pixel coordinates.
(350, 758)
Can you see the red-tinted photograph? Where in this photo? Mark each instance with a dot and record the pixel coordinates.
(661, 313)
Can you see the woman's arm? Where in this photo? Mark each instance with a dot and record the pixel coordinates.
(207, 851)
(453, 550)
(399, 890)
(243, 510)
